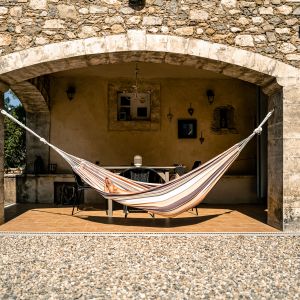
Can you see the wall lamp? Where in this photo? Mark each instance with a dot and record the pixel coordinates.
(210, 96)
(71, 92)
(137, 4)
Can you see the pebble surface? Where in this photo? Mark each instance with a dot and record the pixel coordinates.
(149, 267)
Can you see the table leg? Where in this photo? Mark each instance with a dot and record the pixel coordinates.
(167, 176)
(110, 208)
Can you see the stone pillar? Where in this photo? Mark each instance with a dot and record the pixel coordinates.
(284, 158)
(1, 161)
(291, 157)
(275, 162)
(40, 123)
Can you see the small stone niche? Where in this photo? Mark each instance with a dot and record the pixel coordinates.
(223, 120)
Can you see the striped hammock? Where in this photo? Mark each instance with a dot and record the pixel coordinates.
(169, 199)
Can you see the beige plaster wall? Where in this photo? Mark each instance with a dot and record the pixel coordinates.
(80, 126)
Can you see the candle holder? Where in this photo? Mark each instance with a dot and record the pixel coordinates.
(201, 139)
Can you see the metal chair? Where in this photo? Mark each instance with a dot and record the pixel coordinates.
(143, 175)
(80, 186)
(196, 164)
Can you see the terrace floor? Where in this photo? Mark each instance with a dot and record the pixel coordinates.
(211, 218)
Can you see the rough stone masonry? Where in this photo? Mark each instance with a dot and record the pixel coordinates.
(269, 27)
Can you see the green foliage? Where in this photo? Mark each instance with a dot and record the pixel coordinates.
(14, 138)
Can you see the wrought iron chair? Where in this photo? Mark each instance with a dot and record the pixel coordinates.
(143, 175)
(80, 186)
(196, 164)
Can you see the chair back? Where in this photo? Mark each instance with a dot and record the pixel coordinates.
(78, 180)
(180, 170)
(139, 176)
(196, 164)
(143, 175)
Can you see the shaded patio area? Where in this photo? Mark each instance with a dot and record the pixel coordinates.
(211, 218)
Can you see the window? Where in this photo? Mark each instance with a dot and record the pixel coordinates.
(223, 120)
(133, 106)
(126, 113)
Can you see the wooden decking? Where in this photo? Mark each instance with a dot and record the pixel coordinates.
(45, 218)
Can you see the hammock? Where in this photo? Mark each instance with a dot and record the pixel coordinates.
(169, 199)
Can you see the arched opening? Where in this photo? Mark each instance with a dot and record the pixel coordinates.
(108, 54)
(101, 136)
(14, 145)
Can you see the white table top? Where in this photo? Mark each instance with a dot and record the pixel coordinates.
(149, 167)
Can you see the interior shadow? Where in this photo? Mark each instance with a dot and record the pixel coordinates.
(258, 212)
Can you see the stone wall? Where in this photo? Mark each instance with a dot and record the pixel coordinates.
(269, 27)
(10, 189)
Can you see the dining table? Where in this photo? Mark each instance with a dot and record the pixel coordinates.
(162, 170)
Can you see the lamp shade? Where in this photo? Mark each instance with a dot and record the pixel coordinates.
(210, 96)
(137, 160)
(137, 4)
(71, 92)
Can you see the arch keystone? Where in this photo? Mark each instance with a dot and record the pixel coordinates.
(136, 40)
(156, 43)
(116, 43)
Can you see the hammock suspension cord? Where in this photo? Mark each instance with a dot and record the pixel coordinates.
(168, 199)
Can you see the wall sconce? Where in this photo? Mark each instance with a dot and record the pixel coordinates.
(210, 96)
(170, 115)
(71, 92)
(137, 4)
(201, 139)
(190, 110)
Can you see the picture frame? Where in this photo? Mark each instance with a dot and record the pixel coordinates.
(187, 128)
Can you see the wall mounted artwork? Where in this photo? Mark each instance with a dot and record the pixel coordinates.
(187, 128)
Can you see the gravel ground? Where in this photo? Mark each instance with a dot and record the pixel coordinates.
(150, 267)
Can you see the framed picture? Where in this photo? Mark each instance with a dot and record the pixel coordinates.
(187, 128)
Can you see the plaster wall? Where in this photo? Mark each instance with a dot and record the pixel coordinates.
(80, 126)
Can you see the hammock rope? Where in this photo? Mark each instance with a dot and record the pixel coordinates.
(168, 199)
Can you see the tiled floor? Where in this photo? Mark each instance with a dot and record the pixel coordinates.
(43, 218)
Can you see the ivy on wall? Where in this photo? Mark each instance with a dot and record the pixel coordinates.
(14, 137)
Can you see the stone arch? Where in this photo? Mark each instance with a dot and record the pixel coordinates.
(137, 45)
(279, 80)
(31, 97)
(34, 98)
